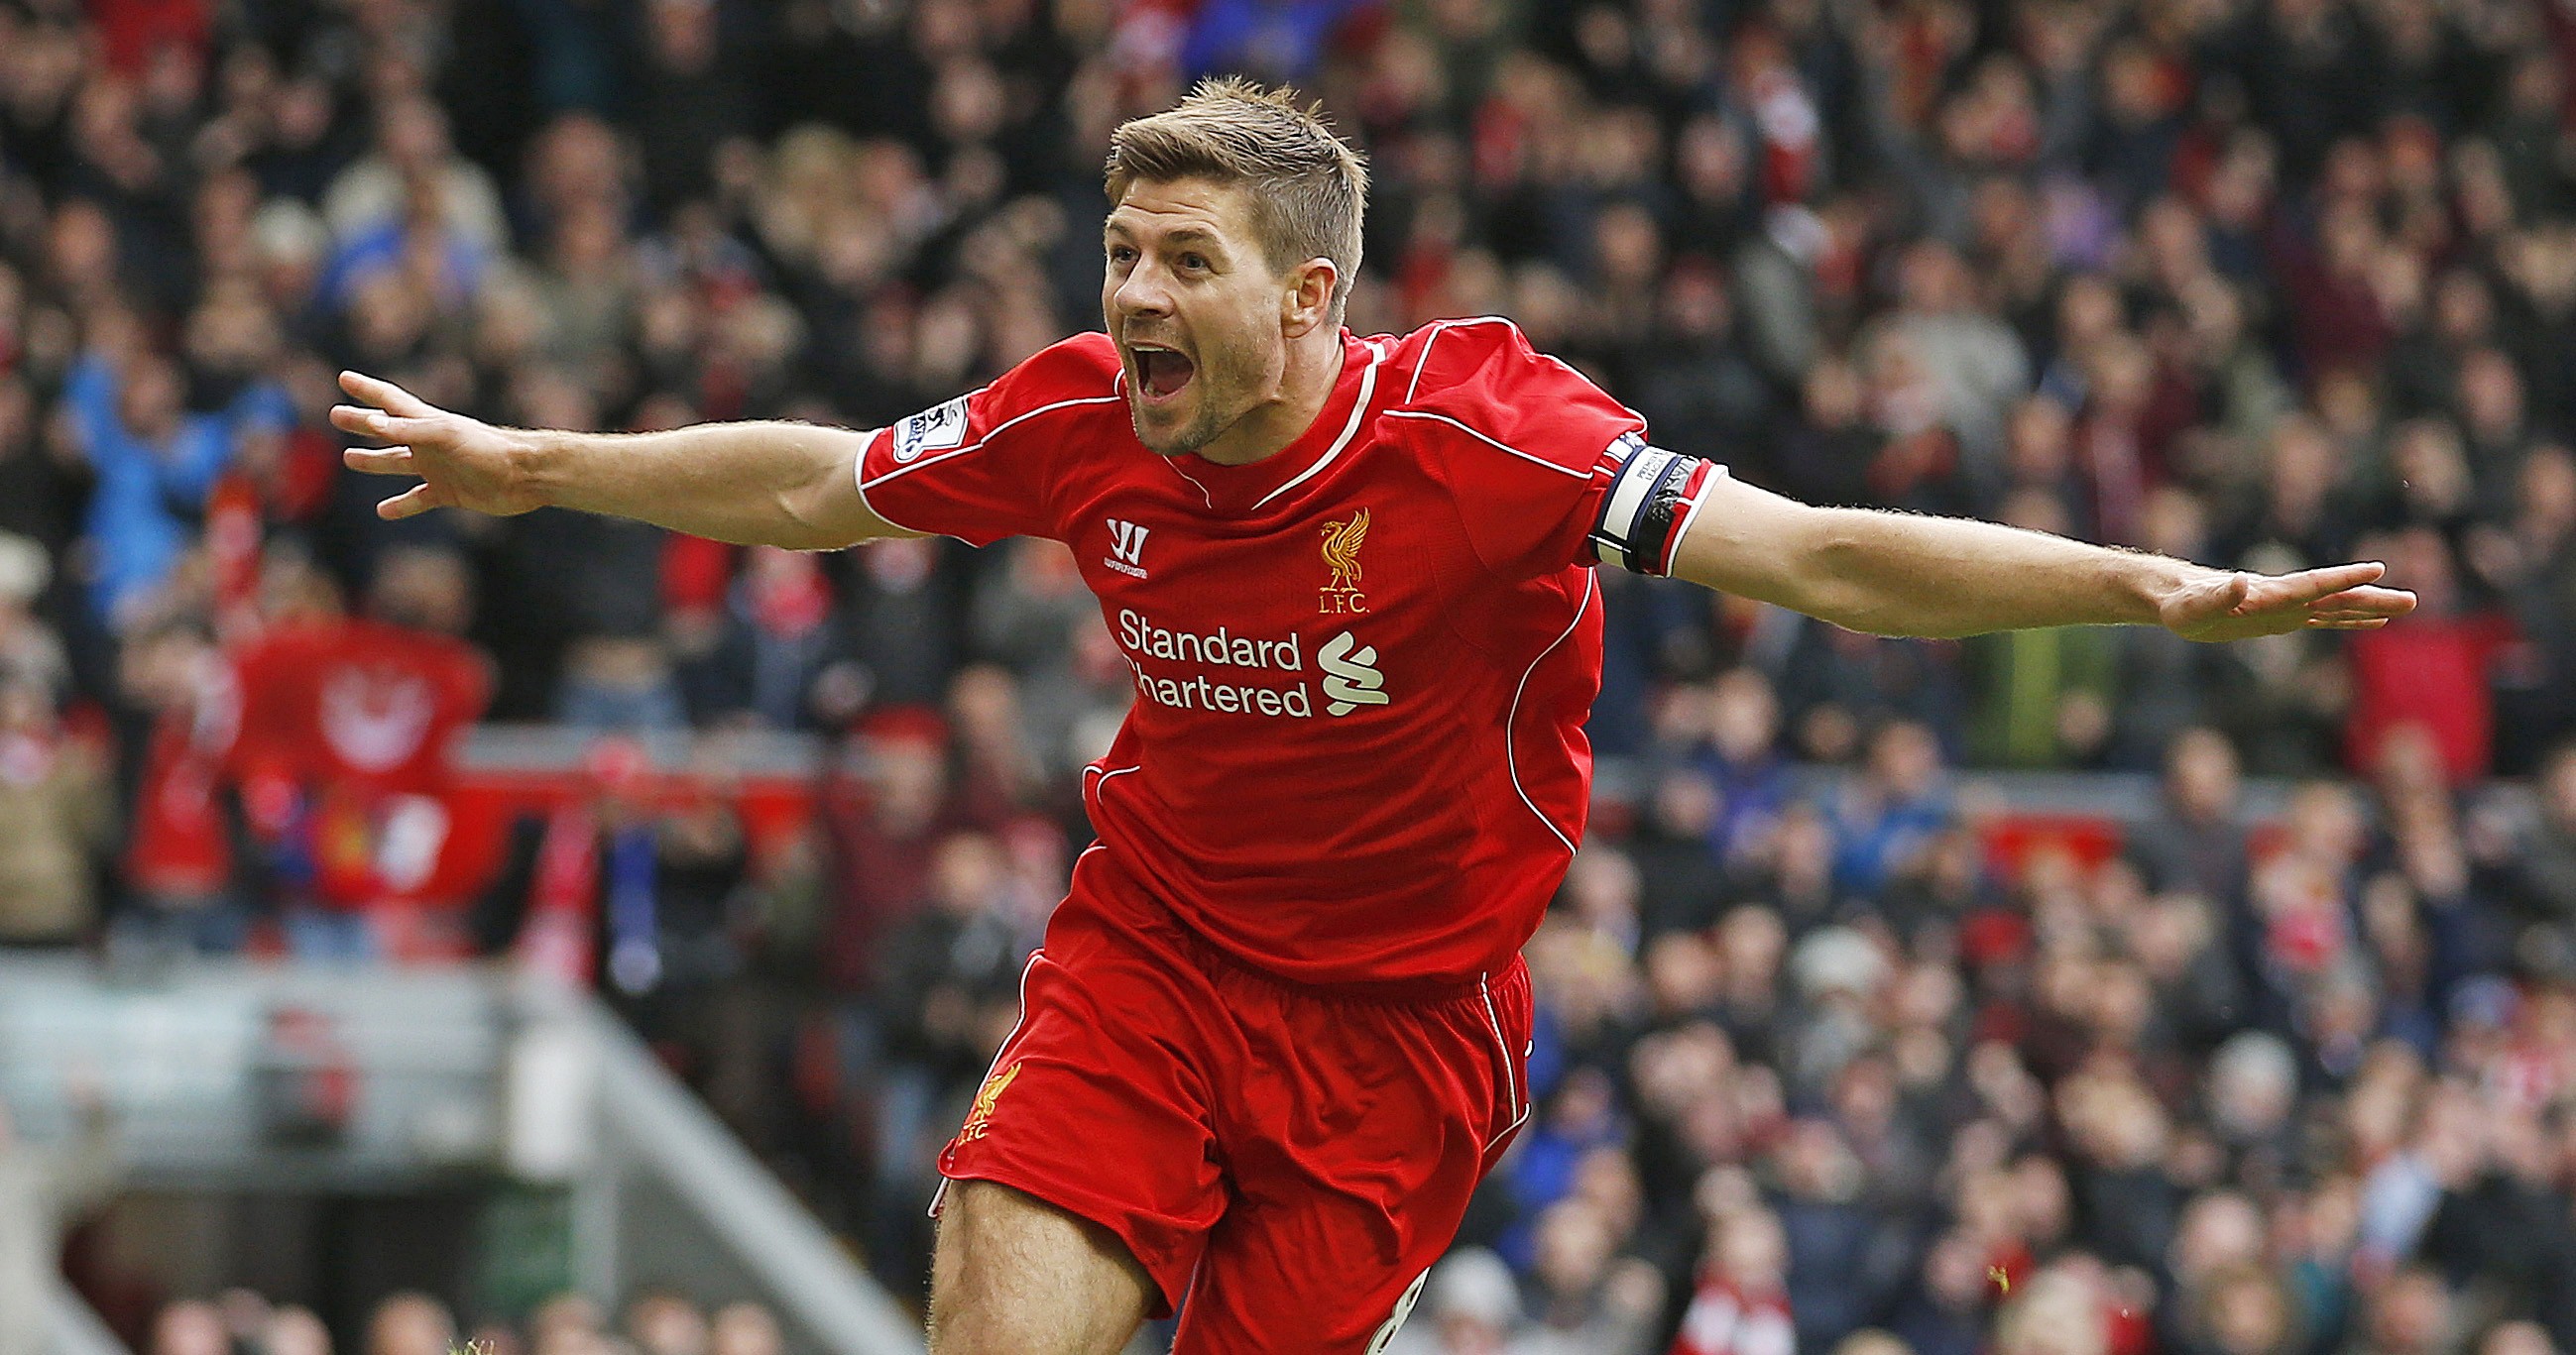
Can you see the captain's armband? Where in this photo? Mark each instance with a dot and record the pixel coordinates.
(1650, 501)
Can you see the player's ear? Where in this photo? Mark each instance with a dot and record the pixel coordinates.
(1308, 300)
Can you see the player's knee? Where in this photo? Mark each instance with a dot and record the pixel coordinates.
(1015, 1274)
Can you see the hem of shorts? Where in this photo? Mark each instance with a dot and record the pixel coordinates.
(1088, 1208)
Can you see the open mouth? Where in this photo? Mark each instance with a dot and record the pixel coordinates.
(1161, 372)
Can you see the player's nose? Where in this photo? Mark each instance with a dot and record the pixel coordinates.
(1142, 292)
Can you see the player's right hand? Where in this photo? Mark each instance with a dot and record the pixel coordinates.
(461, 462)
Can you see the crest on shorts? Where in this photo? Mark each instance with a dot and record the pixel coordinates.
(981, 1117)
(1342, 542)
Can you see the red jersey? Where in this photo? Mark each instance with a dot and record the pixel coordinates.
(1362, 664)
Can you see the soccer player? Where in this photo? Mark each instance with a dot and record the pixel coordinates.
(1277, 1029)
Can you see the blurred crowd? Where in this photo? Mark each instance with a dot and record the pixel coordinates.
(656, 1322)
(1829, 1062)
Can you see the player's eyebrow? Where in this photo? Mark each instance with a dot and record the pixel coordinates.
(1198, 236)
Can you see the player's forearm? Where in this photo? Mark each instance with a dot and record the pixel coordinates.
(1898, 574)
(1901, 574)
(779, 484)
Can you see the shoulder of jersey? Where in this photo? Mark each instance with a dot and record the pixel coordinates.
(1447, 361)
(1084, 364)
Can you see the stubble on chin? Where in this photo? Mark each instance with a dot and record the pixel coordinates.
(1183, 441)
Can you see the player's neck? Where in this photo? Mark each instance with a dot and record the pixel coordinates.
(1305, 387)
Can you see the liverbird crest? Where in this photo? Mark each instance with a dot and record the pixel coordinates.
(1342, 541)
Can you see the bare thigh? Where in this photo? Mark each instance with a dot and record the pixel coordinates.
(1015, 1275)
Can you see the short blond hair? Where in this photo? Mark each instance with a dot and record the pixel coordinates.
(1308, 188)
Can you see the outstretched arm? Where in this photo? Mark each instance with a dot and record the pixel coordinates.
(777, 484)
(1902, 574)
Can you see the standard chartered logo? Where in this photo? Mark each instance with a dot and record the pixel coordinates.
(1240, 684)
(1351, 678)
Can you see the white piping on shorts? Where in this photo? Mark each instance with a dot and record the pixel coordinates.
(1511, 1081)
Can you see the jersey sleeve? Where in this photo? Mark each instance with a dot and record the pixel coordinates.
(987, 464)
(1527, 445)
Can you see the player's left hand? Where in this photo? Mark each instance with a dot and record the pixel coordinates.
(2239, 606)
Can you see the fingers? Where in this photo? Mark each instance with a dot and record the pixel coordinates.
(372, 423)
(411, 503)
(2352, 623)
(390, 461)
(2370, 601)
(385, 395)
(2309, 585)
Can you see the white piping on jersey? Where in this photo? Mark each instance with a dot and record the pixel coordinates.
(1118, 384)
(1359, 411)
(939, 1197)
(1511, 755)
(859, 478)
(1681, 530)
(866, 485)
(1105, 774)
(1194, 480)
(1436, 330)
(1584, 474)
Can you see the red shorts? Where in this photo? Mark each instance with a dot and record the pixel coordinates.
(1286, 1161)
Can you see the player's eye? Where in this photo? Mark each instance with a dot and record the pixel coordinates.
(1122, 254)
(1194, 262)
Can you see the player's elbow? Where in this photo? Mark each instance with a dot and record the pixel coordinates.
(1843, 571)
(1824, 572)
(1837, 565)
(821, 511)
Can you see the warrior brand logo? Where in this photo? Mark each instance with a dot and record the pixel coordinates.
(980, 1118)
(1342, 542)
(1127, 547)
(935, 429)
(1351, 677)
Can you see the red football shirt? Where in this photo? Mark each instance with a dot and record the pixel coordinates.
(1362, 664)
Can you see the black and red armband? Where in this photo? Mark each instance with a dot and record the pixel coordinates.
(1652, 495)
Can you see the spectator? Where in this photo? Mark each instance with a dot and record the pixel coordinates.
(2196, 844)
(1469, 1306)
(30, 653)
(190, 1328)
(1585, 1299)
(661, 1322)
(155, 463)
(2055, 1314)
(345, 750)
(55, 814)
(295, 1330)
(1741, 1307)
(2543, 870)
(412, 147)
(410, 1324)
(745, 1329)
